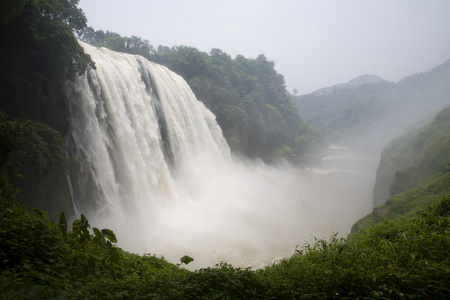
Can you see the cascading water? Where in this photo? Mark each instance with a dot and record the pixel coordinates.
(154, 167)
(132, 123)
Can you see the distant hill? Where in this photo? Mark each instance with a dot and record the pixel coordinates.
(360, 80)
(367, 78)
(375, 109)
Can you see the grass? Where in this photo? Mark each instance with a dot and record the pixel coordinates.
(410, 203)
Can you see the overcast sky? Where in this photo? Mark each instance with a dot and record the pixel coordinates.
(314, 43)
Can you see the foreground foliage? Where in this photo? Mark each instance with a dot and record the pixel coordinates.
(393, 260)
(32, 160)
(406, 258)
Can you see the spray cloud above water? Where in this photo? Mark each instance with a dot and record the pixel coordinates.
(155, 168)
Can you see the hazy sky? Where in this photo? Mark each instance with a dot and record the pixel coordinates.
(314, 43)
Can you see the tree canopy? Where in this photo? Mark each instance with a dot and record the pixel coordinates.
(35, 65)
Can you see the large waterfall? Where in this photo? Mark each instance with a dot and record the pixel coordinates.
(135, 125)
(152, 165)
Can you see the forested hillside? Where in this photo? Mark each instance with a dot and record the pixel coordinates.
(39, 52)
(344, 112)
(414, 158)
(379, 110)
(413, 171)
(248, 96)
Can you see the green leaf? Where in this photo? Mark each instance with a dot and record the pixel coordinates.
(186, 259)
(93, 250)
(97, 232)
(38, 212)
(109, 234)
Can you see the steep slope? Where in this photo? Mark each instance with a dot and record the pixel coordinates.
(407, 204)
(414, 158)
(413, 172)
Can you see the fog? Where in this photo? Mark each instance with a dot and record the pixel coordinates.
(411, 103)
(250, 213)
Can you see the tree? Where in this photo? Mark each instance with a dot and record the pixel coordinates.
(9, 10)
(38, 62)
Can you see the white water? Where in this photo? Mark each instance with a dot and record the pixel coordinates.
(188, 196)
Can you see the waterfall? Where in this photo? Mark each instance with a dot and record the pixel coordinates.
(152, 165)
(133, 123)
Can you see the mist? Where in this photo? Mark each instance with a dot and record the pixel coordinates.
(250, 213)
(367, 117)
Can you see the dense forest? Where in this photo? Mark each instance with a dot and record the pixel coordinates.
(390, 255)
(39, 51)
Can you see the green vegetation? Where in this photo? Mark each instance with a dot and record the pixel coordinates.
(431, 155)
(32, 161)
(247, 96)
(39, 52)
(414, 170)
(391, 260)
(406, 258)
(414, 158)
(408, 204)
